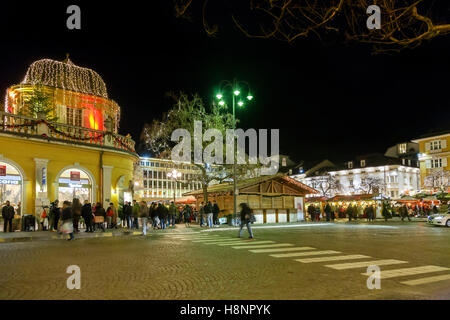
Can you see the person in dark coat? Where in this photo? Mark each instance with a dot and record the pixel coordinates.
(209, 214)
(8, 216)
(86, 213)
(404, 213)
(215, 211)
(100, 212)
(172, 213)
(187, 215)
(318, 213)
(67, 220)
(76, 210)
(328, 212)
(311, 212)
(153, 212)
(371, 213)
(55, 214)
(246, 214)
(162, 215)
(128, 214)
(349, 212)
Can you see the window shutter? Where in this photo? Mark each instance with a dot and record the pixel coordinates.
(444, 144)
(427, 146)
(444, 162)
(428, 164)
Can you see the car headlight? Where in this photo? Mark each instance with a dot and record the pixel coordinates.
(439, 217)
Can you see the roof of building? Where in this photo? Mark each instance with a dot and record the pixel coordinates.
(228, 186)
(65, 75)
(432, 134)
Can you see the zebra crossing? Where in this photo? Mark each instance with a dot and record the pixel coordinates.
(332, 259)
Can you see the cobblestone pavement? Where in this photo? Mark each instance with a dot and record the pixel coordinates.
(414, 259)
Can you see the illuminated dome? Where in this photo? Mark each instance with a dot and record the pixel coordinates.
(65, 75)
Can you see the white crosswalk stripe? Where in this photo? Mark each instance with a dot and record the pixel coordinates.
(426, 280)
(334, 258)
(264, 246)
(408, 271)
(216, 240)
(244, 243)
(220, 242)
(301, 254)
(281, 249)
(203, 238)
(363, 264)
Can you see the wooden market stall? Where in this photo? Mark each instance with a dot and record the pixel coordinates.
(276, 198)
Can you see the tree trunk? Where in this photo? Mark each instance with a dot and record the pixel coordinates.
(205, 192)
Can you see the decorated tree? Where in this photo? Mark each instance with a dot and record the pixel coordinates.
(437, 179)
(157, 137)
(39, 105)
(327, 185)
(404, 23)
(370, 184)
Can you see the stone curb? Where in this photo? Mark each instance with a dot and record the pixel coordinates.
(63, 237)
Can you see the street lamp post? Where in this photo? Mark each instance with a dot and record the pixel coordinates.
(235, 87)
(174, 175)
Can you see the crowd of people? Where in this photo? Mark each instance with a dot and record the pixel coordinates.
(73, 215)
(369, 212)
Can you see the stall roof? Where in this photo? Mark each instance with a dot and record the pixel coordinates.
(355, 197)
(244, 186)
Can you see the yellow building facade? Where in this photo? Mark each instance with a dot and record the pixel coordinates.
(79, 154)
(434, 161)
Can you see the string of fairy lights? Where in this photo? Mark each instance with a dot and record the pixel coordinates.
(65, 75)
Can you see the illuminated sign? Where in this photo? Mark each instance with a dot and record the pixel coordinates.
(8, 181)
(74, 176)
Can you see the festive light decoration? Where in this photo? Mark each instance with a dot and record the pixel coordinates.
(65, 75)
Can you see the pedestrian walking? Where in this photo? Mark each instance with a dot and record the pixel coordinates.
(55, 214)
(67, 220)
(162, 215)
(201, 212)
(349, 212)
(404, 213)
(312, 212)
(135, 215)
(215, 211)
(86, 213)
(187, 215)
(8, 216)
(76, 210)
(128, 213)
(328, 212)
(109, 215)
(247, 218)
(209, 214)
(318, 213)
(44, 219)
(143, 214)
(99, 218)
(153, 212)
(172, 213)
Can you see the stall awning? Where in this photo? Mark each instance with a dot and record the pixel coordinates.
(354, 197)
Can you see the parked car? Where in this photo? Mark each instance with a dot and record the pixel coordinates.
(440, 219)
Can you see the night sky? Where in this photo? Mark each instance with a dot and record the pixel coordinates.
(329, 100)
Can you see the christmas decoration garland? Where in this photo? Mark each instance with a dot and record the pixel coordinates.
(67, 135)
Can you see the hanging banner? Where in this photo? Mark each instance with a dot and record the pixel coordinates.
(298, 203)
(2, 171)
(74, 176)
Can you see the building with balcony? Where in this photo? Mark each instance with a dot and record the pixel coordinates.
(368, 174)
(73, 150)
(434, 161)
